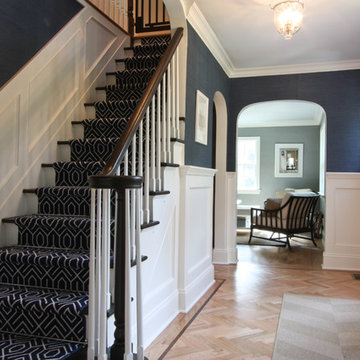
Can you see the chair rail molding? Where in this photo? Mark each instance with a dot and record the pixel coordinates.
(342, 243)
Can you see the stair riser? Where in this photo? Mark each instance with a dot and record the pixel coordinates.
(160, 40)
(104, 128)
(61, 235)
(15, 347)
(62, 326)
(114, 110)
(149, 50)
(133, 79)
(65, 238)
(149, 62)
(75, 176)
(64, 204)
(118, 94)
(45, 277)
(91, 152)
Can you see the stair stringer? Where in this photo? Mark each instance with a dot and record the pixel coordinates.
(39, 103)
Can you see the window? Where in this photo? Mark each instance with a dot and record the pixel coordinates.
(248, 165)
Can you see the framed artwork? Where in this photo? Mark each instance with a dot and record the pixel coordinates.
(201, 118)
(289, 160)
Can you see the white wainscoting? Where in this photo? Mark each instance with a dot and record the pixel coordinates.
(160, 271)
(39, 103)
(196, 271)
(224, 251)
(342, 243)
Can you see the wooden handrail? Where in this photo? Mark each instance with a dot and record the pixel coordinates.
(139, 112)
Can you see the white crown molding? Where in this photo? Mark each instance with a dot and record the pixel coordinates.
(207, 35)
(295, 69)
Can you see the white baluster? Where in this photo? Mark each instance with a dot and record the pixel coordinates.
(111, 10)
(125, 15)
(146, 170)
(140, 164)
(140, 340)
(163, 122)
(126, 163)
(173, 98)
(132, 192)
(100, 343)
(106, 245)
(104, 278)
(158, 139)
(153, 137)
(177, 96)
(115, 233)
(91, 330)
(128, 354)
(168, 120)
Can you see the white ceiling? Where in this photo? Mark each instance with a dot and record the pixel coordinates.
(241, 35)
(281, 113)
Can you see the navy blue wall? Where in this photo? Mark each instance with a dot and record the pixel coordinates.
(204, 74)
(26, 26)
(337, 92)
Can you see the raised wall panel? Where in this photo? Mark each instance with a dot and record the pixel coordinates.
(9, 139)
(98, 41)
(200, 224)
(347, 217)
(196, 271)
(56, 83)
(342, 242)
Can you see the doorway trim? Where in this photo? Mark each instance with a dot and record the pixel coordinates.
(224, 251)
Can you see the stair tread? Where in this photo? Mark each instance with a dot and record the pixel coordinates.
(57, 189)
(75, 259)
(42, 300)
(86, 140)
(15, 347)
(114, 87)
(111, 102)
(129, 72)
(139, 57)
(79, 164)
(46, 217)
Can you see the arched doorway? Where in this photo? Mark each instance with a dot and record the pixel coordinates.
(224, 251)
(273, 123)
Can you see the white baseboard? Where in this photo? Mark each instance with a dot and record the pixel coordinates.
(189, 296)
(224, 256)
(341, 262)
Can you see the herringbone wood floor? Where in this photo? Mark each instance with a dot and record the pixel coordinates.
(240, 320)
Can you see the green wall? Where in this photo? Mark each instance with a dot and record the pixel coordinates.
(269, 136)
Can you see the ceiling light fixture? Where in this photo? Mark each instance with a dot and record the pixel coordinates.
(288, 16)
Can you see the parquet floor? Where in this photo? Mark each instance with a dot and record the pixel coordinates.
(238, 317)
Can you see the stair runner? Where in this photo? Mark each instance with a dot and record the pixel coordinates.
(44, 278)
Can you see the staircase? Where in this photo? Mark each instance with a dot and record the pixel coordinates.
(44, 279)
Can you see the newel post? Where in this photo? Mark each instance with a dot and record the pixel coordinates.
(122, 261)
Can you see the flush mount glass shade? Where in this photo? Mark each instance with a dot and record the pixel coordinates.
(288, 17)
